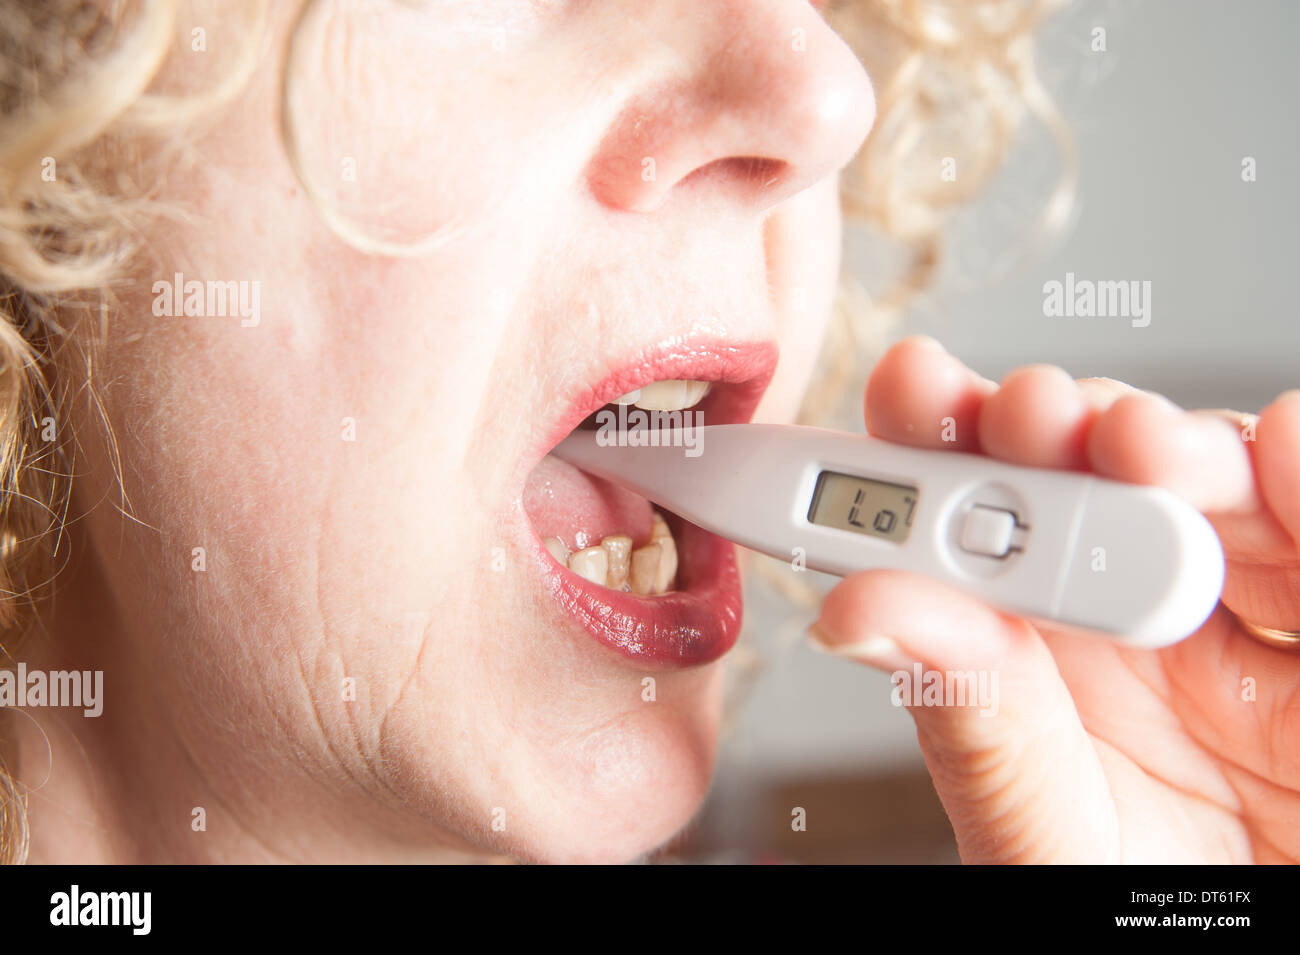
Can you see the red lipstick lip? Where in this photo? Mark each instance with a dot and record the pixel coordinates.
(701, 622)
(747, 367)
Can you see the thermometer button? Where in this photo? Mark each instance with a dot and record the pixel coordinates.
(987, 531)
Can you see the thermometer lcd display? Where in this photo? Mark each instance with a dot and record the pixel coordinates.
(874, 508)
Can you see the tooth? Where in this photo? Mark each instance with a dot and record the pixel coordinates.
(659, 527)
(667, 568)
(662, 396)
(591, 563)
(671, 395)
(630, 398)
(619, 550)
(644, 569)
(557, 549)
(695, 392)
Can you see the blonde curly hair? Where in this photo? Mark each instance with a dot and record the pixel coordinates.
(80, 121)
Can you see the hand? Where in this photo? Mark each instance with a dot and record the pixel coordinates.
(1098, 753)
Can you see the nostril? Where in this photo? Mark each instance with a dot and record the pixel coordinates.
(749, 176)
(761, 172)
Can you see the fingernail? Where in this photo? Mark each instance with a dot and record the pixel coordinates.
(1167, 405)
(928, 342)
(875, 649)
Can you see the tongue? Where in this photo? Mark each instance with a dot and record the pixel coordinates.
(580, 509)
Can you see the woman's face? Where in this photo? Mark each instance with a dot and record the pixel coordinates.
(374, 649)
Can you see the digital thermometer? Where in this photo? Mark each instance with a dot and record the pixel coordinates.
(1136, 563)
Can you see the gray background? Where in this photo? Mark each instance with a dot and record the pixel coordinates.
(1162, 119)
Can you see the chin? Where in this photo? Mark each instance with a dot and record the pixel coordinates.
(620, 792)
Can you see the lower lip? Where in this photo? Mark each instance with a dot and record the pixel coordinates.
(685, 628)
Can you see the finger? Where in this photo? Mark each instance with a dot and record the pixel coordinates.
(1041, 417)
(1017, 774)
(1145, 439)
(1277, 460)
(920, 395)
(1038, 417)
(1260, 544)
(1101, 393)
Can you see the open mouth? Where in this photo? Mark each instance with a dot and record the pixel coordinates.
(645, 582)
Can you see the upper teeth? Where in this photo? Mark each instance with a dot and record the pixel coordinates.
(672, 395)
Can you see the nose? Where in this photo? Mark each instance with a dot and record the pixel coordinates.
(755, 101)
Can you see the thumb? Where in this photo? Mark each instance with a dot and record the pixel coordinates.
(1018, 775)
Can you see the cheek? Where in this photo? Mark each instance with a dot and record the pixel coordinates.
(802, 238)
(429, 150)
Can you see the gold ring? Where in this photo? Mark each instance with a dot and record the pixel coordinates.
(1282, 639)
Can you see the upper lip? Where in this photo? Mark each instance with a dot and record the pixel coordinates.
(746, 366)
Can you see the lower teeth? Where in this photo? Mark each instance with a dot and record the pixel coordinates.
(615, 564)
